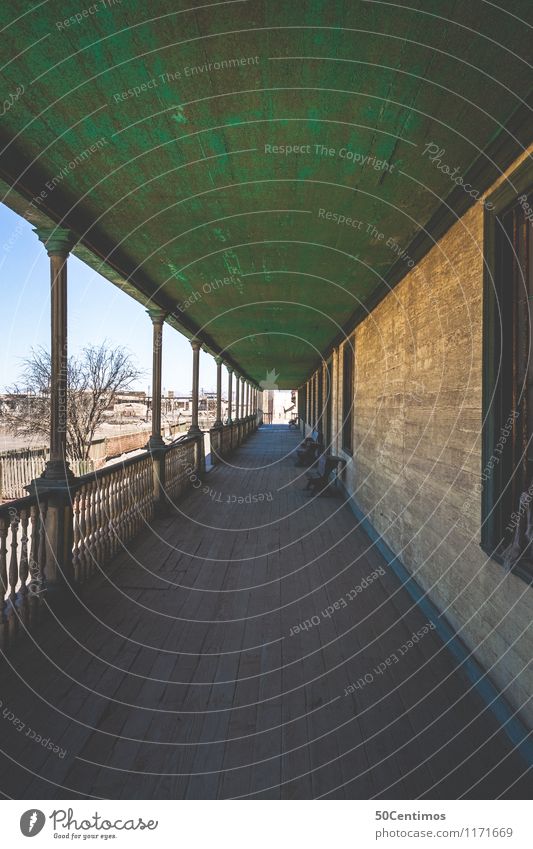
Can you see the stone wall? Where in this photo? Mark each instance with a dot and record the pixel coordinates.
(417, 457)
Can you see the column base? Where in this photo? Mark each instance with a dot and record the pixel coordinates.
(57, 472)
(218, 424)
(155, 443)
(56, 496)
(194, 430)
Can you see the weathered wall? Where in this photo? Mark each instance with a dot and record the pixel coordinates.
(417, 459)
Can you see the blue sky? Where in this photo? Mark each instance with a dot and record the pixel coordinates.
(97, 311)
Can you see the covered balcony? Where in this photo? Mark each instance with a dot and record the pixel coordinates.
(332, 202)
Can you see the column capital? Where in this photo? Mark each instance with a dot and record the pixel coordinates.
(219, 361)
(157, 315)
(229, 369)
(57, 240)
(196, 344)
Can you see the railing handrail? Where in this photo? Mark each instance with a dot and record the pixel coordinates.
(17, 504)
(185, 437)
(105, 471)
(6, 508)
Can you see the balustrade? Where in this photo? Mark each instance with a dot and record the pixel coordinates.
(177, 459)
(109, 507)
(22, 564)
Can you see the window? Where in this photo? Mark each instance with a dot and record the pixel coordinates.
(347, 394)
(507, 474)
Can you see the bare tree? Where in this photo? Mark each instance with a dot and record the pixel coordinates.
(94, 378)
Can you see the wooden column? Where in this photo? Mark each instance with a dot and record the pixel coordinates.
(230, 392)
(58, 243)
(237, 379)
(196, 348)
(242, 398)
(53, 488)
(158, 317)
(218, 420)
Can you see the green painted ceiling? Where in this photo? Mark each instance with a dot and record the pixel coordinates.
(182, 189)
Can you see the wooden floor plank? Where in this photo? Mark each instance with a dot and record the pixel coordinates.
(184, 671)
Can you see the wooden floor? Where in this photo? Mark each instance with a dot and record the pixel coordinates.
(176, 676)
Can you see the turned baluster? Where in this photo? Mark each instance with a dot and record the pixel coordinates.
(37, 563)
(123, 506)
(104, 517)
(24, 566)
(13, 560)
(145, 496)
(137, 506)
(118, 512)
(168, 468)
(13, 575)
(121, 509)
(76, 543)
(111, 522)
(129, 483)
(34, 547)
(41, 558)
(34, 586)
(126, 492)
(111, 517)
(117, 527)
(97, 524)
(145, 487)
(84, 555)
(3, 581)
(148, 496)
(92, 528)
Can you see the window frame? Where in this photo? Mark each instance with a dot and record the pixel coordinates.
(496, 473)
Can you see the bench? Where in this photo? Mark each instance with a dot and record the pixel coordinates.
(322, 477)
(309, 449)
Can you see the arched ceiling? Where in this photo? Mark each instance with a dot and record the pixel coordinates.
(202, 151)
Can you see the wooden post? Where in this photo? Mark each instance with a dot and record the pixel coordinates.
(54, 487)
(58, 243)
(156, 443)
(218, 420)
(237, 379)
(196, 346)
(158, 317)
(230, 391)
